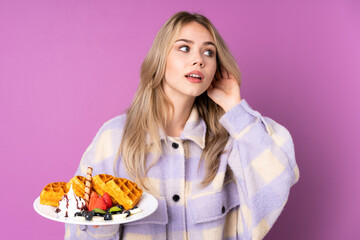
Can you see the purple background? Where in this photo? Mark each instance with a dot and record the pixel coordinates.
(66, 67)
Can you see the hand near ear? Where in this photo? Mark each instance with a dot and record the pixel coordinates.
(224, 90)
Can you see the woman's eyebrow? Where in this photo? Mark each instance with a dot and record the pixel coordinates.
(192, 42)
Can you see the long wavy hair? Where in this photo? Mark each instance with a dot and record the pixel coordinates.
(149, 111)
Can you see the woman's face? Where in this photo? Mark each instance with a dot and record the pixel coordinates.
(191, 63)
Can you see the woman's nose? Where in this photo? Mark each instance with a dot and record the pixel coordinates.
(198, 61)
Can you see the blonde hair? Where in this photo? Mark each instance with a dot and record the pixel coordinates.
(149, 110)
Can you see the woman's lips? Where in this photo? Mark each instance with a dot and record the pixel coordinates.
(193, 79)
(195, 76)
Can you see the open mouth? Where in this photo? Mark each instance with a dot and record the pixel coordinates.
(193, 76)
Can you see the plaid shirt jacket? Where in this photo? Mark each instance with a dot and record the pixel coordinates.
(244, 200)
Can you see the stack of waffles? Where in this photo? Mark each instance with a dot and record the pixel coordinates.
(122, 191)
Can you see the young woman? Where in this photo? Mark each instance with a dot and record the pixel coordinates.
(219, 169)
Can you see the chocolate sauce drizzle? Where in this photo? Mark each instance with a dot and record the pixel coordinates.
(82, 207)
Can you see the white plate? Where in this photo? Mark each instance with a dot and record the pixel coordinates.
(147, 203)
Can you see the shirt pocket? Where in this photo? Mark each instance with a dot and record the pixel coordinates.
(213, 206)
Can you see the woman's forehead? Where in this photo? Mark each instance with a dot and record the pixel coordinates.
(195, 32)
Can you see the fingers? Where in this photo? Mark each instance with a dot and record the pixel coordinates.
(224, 72)
(231, 76)
(223, 80)
(217, 85)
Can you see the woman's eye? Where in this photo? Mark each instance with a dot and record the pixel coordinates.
(184, 48)
(209, 53)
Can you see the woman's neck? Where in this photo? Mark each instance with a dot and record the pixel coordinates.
(182, 109)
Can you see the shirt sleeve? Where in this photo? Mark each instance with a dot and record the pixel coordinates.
(99, 155)
(262, 159)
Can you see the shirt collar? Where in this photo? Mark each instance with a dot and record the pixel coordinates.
(194, 130)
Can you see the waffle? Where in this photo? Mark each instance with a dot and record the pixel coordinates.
(78, 184)
(53, 192)
(124, 192)
(98, 183)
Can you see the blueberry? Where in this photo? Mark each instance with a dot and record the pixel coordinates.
(88, 216)
(108, 216)
(134, 207)
(127, 212)
(121, 207)
(97, 214)
(78, 214)
(117, 212)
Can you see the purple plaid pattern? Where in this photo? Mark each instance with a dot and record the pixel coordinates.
(256, 172)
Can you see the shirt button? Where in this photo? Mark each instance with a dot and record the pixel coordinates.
(175, 145)
(176, 198)
(223, 209)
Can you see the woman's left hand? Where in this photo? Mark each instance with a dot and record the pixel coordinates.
(224, 90)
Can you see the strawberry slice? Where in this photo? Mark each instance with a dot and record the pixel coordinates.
(93, 200)
(100, 203)
(107, 200)
(93, 193)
